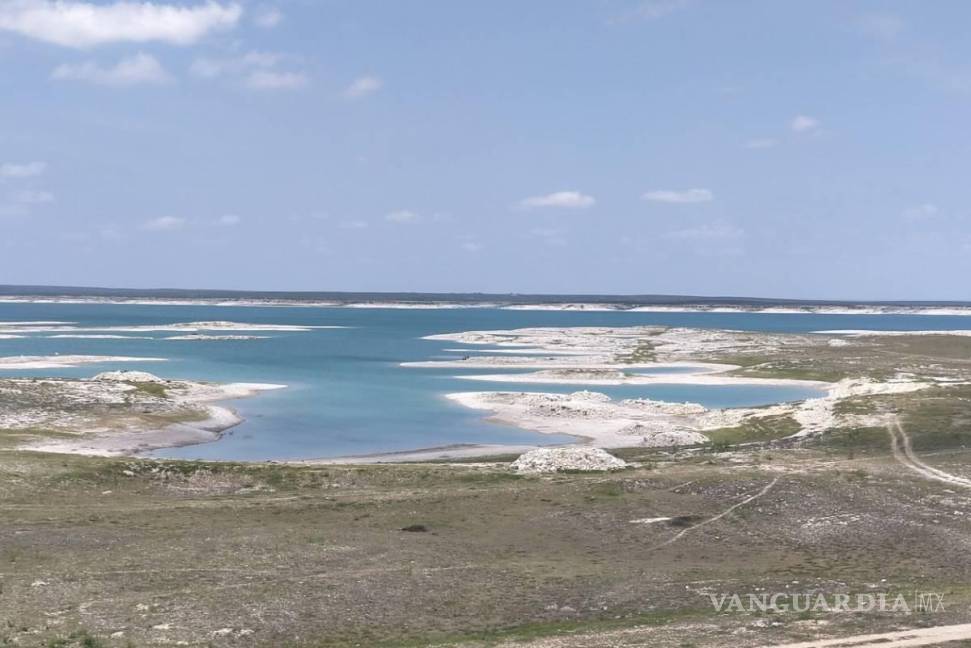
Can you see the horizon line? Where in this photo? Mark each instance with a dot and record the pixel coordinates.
(53, 290)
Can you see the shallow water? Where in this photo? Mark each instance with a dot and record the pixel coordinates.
(347, 393)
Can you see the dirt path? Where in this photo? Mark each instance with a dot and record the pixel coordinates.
(731, 508)
(900, 639)
(904, 453)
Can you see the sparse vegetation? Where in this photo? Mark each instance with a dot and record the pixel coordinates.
(129, 552)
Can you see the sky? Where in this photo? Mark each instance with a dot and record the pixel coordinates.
(754, 148)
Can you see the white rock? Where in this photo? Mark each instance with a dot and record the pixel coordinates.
(129, 376)
(543, 460)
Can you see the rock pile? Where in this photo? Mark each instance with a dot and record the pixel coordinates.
(547, 460)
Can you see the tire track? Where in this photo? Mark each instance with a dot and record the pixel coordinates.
(731, 508)
(900, 639)
(903, 452)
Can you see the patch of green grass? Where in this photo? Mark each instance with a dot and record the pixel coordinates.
(643, 352)
(150, 388)
(488, 477)
(767, 428)
(607, 489)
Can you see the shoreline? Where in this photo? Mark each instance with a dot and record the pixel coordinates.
(134, 440)
(618, 306)
(585, 356)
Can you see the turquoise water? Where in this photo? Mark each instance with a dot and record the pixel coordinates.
(347, 393)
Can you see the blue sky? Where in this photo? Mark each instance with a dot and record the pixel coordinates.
(790, 149)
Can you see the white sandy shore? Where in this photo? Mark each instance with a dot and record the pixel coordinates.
(181, 327)
(98, 337)
(442, 453)
(56, 361)
(134, 440)
(599, 421)
(593, 356)
(867, 333)
(606, 378)
(199, 337)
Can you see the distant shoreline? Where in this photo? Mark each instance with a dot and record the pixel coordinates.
(60, 294)
(551, 303)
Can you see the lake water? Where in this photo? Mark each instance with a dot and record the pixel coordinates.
(347, 394)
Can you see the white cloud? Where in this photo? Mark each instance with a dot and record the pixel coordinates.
(229, 220)
(685, 197)
(762, 143)
(164, 224)
(24, 170)
(34, 197)
(354, 224)
(139, 69)
(72, 23)
(276, 80)
(362, 87)
(471, 246)
(402, 216)
(562, 199)
(921, 212)
(803, 123)
(268, 17)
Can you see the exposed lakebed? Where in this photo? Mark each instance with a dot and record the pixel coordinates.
(347, 391)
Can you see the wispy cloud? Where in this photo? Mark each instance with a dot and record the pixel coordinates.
(885, 26)
(362, 87)
(716, 239)
(86, 24)
(559, 199)
(34, 197)
(276, 80)
(402, 216)
(707, 232)
(920, 58)
(22, 170)
(138, 69)
(922, 212)
(471, 246)
(551, 237)
(688, 196)
(255, 70)
(268, 17)
(211, 68)
(649, 10)
(353, 224)
(803, 124)
(164, 224)
(229, 220)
